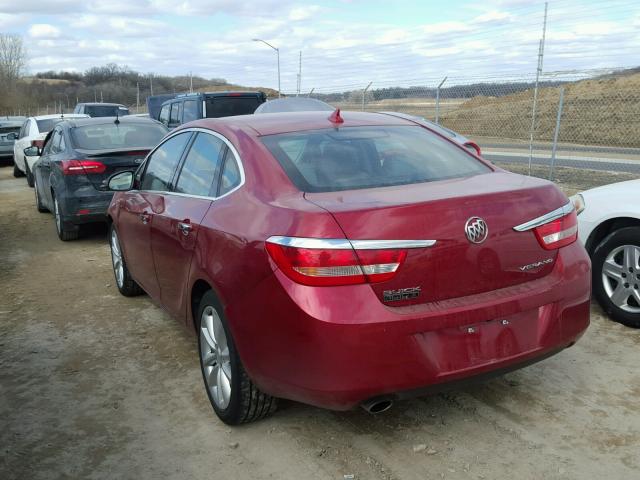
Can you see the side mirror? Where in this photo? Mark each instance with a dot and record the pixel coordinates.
(120, 182)
(32, 151)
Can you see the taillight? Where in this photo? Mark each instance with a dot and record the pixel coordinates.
(82, 167)
(555, 229)
(558, 233)
(336, 265)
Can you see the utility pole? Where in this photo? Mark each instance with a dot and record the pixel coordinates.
(95, 95)
(190, 82)
(151, 82)
(299, 75)
(101, 98)
(137, 97)
(535, 89)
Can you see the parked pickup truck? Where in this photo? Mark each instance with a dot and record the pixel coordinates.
(174, 110)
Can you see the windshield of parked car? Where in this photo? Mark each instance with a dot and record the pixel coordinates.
(105, 110)
(109, 136)
(366, 157)
(45, 126)
(231, 105)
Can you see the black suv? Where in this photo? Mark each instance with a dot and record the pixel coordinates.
(187, 107)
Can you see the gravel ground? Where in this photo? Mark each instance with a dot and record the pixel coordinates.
(95, 385)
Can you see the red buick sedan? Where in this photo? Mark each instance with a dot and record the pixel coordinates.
(339, 260)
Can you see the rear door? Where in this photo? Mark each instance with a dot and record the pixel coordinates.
(139, 208)
(175, 229)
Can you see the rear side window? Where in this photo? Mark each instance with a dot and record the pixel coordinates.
(230, 177)
(190, 111)
(45, 126)
(200, 166)
(105, 110)
(163, 162)
(175, 113)
(164, 114)
(368, 157)
(232, 105)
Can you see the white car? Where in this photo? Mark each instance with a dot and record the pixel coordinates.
(34, 128)
(609, 228)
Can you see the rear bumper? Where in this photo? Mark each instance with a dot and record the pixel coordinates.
(337, 347)
(85, 205)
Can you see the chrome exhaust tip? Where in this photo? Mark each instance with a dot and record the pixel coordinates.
(377, 405)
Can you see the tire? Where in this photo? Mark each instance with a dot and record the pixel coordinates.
(28, 174)
(64, 233)
(616, 275)
(17, 173)
(39, 206)
(245, 402)
(127, 286)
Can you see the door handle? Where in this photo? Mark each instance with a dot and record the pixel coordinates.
(144, 218)
(185, 228)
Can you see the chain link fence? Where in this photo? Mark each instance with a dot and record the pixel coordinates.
(597, 126)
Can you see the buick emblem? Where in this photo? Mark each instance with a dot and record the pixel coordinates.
(476, 230)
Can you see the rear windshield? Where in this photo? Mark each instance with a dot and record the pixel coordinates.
(5, 130)
(229, 106)
(116, 136)
(45, 126)
(105, 110)
(368, 157)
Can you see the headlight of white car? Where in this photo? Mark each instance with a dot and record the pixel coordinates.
(578, 203)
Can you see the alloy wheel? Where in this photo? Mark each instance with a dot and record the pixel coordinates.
(116, 258)
(215, 358)
(621, 277)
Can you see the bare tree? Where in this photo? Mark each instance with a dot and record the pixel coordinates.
(13, 58)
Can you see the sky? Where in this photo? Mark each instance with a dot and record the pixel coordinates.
(345, 44)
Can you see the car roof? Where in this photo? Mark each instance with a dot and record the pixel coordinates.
(106, 104)
(85, 120)
(60, 115)
(275, 123)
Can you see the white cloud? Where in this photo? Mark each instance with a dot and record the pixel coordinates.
(303, 13)
(43, 30)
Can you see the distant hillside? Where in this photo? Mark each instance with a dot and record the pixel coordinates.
(602, 111)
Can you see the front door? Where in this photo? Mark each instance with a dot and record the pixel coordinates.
(139, 209)
(174, 232)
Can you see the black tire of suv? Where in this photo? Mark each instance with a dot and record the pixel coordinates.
(247, 403)
(64, 233)
(623, 236)
(17, 173)
(129, 287)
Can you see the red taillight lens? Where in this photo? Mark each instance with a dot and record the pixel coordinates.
(331, 267)
(559, 232)
(82, 167)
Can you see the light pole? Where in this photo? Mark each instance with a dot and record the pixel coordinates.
(277, 54)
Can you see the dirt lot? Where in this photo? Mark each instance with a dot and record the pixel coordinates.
(95, 385)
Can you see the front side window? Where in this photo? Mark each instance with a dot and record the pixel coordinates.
(162, 164)
(230, 177)
(175, 113)
(368, 157)
(190, 111)
(200, 166)
(164, 114)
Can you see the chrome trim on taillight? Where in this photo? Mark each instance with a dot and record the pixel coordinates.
(546, 218)
(343, 243)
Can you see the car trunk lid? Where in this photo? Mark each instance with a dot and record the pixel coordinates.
(113, 161)
(454, 266)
